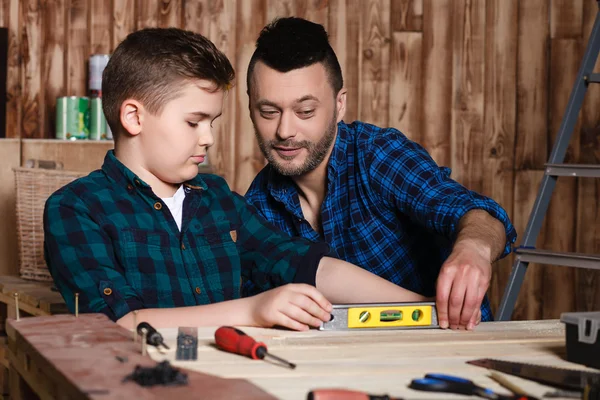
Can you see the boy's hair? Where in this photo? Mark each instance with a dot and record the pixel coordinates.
(292, 43)
(152, 65)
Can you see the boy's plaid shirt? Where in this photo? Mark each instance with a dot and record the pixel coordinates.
(112, 240)
(389, 208)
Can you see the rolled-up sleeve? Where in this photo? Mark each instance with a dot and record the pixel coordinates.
(408, 179)
(80, 258)
(270, 257)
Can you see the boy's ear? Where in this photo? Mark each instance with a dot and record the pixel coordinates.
(132, 116)
(340, 104)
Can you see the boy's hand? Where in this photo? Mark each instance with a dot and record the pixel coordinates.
(294, 306)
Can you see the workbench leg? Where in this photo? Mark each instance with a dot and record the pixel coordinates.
(19, 390)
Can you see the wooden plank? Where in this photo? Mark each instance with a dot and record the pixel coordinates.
(500, 116)
(196, 16)
(221, 156)
(14, 72)
(559, 282)
(170, 13)
(468, 92)
(54, 62)
(407, 15)
(123, 20)
(529, 302)
(315, 11)
(437, 85)
(532, 85)
(374, 70)
(406, 110)
(146, 14)
(65, 357)
(78, 49)
(588, 216)
(83, 156)
(279, 9)
(344, 18)
(100, 32)
(31, 32)
(565, 59)
(10, 158)
(249, 159)
(566, 18)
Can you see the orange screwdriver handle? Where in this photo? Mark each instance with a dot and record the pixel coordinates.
(235, 341)
(343, 394)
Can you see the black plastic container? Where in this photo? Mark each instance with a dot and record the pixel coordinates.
(583, 337)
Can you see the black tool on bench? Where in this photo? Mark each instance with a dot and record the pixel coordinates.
(153, 338)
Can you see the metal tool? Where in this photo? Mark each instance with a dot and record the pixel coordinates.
(235, 341)
(344, 394)
(416, 315)
(187, 344)
(562, 378)
(454, 384)
(153, 338)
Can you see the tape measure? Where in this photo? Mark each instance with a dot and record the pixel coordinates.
(382, 316)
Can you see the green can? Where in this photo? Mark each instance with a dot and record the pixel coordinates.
(97, 120)
(72, 118)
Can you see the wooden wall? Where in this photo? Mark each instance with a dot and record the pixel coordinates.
(482, 84)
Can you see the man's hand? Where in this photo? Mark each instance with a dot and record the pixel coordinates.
(462, 284)
(294, 306)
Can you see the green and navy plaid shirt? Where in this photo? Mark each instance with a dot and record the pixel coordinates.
(389, 208)
(109, 238)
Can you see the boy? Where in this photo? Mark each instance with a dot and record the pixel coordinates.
(147, 233)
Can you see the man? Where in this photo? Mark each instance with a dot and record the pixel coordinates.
(377, 198)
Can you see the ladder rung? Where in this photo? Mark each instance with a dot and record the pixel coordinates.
(582, 170)
(593, 78)
(579, 260)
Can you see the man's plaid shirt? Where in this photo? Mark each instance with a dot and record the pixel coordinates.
(389, 208)
(109, 238)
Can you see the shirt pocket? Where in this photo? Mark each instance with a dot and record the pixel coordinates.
(220, 260)
(148, 260)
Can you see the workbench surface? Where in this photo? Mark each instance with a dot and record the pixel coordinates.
(382, 361)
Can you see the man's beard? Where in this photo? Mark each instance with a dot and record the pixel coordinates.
(316, 151)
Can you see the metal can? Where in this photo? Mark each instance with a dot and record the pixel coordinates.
(97, 64)
(97, 120)
(72, 118)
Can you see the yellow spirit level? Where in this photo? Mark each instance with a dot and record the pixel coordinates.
(382, 316)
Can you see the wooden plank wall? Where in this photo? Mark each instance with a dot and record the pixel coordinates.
(482, 84)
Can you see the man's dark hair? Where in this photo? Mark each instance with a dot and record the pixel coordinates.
(291, 43)
(152, 65)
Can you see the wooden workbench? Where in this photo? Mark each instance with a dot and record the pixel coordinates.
(76, 357)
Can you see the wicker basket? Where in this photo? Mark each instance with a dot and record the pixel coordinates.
(34, 186)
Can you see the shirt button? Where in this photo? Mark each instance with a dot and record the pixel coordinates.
(182, 246)
(107, 291)
(130, 187)
(157, 206)
(198, 290)
(137, 182)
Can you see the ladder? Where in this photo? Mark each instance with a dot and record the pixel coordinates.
(527, 252)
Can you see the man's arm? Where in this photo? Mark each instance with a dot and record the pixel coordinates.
(465, 276)
(416, 186)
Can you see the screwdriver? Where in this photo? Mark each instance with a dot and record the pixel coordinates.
(235, 341)
(153, 338)
(343, 394)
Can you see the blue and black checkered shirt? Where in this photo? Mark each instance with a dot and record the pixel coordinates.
(389, 208)
(112, 240)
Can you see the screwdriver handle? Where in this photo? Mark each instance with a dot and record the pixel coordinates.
(153, 338)
(235, 341)
(343, 394)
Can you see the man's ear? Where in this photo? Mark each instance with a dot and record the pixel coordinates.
(132, 116)
(340, 104)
